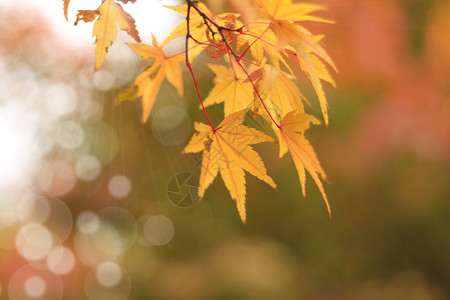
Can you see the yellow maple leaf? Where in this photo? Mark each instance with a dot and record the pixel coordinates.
(227, 151)
(196, 22)
(232, 87)
(282, 15)
(279, 92)
(197, 28)
(261, 41)
(199, 31)
(105, 28)
(316, 71)
(147, 84)
(292, 139)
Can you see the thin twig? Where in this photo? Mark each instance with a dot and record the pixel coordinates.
(188, 64)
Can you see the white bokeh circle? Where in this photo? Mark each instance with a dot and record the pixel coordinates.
(61, 260)
(51, 212)
(35, 287)
(119, 186)
(56, 178)
(123, 221)
(171, 125)
(31, 283)
(107, 281)
(60, 99)
(108, 274)
(103, 244)
(34, 242)
(88, 222)
(88, 168)
(69, 135)
(154, 230)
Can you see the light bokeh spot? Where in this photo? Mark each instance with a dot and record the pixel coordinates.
(88, 222)
(35, 287)
(61, 260)
(102, 245)
(69, 135)
(104, 80)
(56, 178)
(171, 125)
(30, 282)
(60, 99)
(34, 241)
(158, 230)
(88, 168)
(34, 209)
(107, 239)
(108, 274)
(119, 186)
(123, 222)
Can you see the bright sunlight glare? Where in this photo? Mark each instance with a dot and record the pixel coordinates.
(151, 17)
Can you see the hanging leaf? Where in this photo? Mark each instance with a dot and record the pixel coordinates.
(148, 83)
(66, 8)
(292, 139)
(227, 151)
(105, 28)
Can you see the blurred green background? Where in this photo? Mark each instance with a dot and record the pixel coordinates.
(386, 153)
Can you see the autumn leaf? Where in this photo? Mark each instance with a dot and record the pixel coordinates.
(200, 32)
(197, 29)
(296, 12)
(232, 87)
(219, 42)
(261, 41)
(66, 7)
(279, 91)
(258, 77)
(128, 94)
(227, 150)
(196, 23)
(283, 14)
(148, 83)
(296, 40)
(292, 139)
(86, 16)
(105, 28)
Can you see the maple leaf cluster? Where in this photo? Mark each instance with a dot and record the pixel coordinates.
(255, 75)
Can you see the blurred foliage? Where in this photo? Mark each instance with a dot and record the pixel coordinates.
(386, 153)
